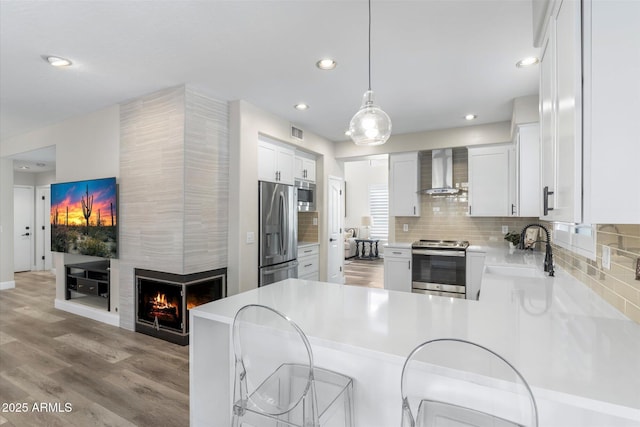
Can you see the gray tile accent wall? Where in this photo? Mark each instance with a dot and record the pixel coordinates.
(173, 184)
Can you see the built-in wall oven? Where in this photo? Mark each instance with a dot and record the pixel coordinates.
(439, 267)
(306, 196)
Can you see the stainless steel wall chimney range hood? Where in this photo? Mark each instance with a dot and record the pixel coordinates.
(442, 172)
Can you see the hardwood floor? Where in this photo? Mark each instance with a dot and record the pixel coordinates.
(369, 273)
(106, 376)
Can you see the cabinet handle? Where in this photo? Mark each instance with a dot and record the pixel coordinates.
(469, 209)
(414, 210)
(409, 264)
(307, 251)
(513, 208)
(545, 201)
(397, 253)
(308, 265)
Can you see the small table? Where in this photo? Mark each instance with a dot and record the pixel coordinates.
(371, 242)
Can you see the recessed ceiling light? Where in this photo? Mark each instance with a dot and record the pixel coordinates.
(470, 117)
(301, 106)
(24, 167)
(527, 62)
(326, 64)
(57, 61)
(347, 132)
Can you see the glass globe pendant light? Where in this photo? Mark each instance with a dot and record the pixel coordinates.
(370, 125)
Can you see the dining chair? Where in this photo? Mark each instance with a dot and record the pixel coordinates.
(455, 382)
(276, 381)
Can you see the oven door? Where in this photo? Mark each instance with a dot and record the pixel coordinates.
(446, 268)
(306, 196)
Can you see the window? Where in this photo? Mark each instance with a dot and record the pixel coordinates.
(379, 210)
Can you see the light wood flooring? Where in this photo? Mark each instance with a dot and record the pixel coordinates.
(369, 273)
(108, 376)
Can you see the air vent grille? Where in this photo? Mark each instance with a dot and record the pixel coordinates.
(297, 133)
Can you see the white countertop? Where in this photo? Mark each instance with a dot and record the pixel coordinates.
(397, 245)
(563, 337)
(307, 244)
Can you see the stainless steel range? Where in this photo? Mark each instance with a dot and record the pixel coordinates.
(439, 267)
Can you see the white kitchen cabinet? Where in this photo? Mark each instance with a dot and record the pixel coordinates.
(524, 171)
(489, 180)
(588, 107)
(305, 167)
(404, 184)
(560, 106)
(275, 162)
(397, 269)
(611, 147)
(309, 262)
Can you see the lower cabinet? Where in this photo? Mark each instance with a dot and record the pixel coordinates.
(397, 269)
(309, 262)
(89, 278)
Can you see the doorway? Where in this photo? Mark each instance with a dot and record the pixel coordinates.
(334, 227)
(23, 229)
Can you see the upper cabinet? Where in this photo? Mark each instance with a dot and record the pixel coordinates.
(404, 184)
(305, 167)
(561, 119)
(524, 171)
(275, 162)
(489, 180)
(589, 144)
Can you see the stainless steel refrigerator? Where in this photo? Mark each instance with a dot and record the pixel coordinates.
(278, 232)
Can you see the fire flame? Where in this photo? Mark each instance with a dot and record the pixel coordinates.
(160, 301)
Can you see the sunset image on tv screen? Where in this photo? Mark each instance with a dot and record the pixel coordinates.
(84, 217)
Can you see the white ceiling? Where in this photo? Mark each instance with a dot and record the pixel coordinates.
(432, 61)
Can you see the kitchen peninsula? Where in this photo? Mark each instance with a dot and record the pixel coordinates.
(582, 365)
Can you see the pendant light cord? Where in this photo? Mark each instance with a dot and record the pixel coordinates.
(369, 44)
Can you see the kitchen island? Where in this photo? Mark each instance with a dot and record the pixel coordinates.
(584, 368)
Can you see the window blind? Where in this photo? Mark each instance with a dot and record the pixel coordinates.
(379, 211)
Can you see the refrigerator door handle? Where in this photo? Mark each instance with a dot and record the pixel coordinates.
(289, 266)
(281, 215)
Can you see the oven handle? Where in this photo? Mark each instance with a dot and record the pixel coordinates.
(440, 253)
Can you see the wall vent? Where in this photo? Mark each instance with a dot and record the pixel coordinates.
(297, 133)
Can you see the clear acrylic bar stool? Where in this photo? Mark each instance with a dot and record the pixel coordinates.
(276, 382)
(454, 382)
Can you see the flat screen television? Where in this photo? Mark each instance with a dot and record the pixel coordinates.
(84, 217)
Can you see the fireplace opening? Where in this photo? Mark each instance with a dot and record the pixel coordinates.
(163, 300)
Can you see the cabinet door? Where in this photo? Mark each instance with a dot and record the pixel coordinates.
(404, 185)
(305, 168)
(310, 169)
(528, 170)
(568, 191)
(397, 274)
(267, 159)
(547, 125)
(489, 180)
(285, 161)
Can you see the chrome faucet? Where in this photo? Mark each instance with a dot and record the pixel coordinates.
(548, 254)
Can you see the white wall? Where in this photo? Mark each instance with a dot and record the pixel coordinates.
(6, 223)
(86, 147)
(358, 175)
(246, 123)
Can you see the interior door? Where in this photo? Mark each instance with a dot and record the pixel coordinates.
(23, 207)
(43, 228)
(335, 256)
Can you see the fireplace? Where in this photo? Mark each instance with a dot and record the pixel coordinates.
(163, 300)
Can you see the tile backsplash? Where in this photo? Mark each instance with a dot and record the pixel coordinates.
(617, 285)
(307, 231)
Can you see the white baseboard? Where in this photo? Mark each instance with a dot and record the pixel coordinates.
(10, 284)
(97, 314)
